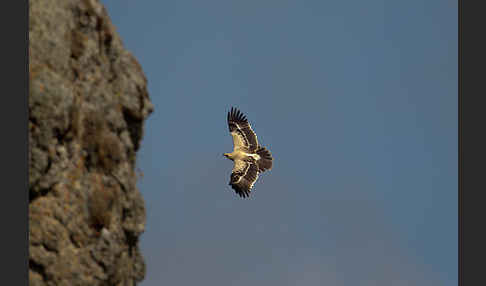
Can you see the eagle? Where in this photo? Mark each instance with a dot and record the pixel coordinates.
(250, 159)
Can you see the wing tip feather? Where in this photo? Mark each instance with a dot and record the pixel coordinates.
(236, 115)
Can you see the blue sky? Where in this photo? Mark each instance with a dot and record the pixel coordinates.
(357, 101)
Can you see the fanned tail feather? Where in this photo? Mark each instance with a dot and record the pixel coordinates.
(266, 159)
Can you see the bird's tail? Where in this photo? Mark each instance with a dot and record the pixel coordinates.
(266, 160)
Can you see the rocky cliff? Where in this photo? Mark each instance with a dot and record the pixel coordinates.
(87, 104)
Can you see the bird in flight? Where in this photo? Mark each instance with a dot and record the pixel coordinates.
(250, 159)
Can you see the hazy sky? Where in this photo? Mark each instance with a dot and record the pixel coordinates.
(357, 101)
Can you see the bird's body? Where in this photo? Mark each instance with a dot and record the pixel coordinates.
(250, 159)
(241, 155)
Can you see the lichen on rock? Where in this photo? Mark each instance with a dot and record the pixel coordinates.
(88, 101)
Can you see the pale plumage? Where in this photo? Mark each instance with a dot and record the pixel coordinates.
(250, 159)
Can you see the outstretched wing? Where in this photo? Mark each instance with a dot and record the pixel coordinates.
(243, 177)
(244, 138)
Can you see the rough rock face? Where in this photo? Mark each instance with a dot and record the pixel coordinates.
(87, 104)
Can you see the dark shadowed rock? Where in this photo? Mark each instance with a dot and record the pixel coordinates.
(87, 104)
